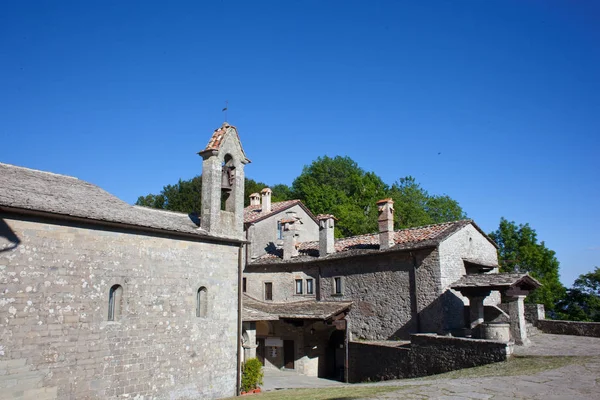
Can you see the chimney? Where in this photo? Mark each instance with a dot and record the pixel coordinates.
(255, 199)
(266, 200)
(326, 240)
(386, 223)
(289, 238)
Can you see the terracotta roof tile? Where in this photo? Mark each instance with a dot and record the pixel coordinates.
(218, 136)
(405, 239)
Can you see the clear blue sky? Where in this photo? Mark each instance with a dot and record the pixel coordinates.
(123, 94)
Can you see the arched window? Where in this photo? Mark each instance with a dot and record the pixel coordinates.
(115, 299)
(201, 302)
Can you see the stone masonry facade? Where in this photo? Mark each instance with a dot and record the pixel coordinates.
(57, 341)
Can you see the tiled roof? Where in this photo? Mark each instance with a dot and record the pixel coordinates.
(405, 239)
(254, 213)
(38, 191)
(218, 136)
(496, 281)
(256, 310)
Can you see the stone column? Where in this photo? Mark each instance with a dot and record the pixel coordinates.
(518, 329)
(476, 315)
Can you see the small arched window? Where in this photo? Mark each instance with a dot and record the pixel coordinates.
(115, 299)
(201, 302)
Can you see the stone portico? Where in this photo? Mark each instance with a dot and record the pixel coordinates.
(513, 289)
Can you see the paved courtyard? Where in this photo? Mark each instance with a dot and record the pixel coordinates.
(579, 380)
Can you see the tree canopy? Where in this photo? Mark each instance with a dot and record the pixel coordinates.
(582, 301)
(334, 186)
(520, 252)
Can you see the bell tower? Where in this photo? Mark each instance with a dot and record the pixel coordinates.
(223, 183)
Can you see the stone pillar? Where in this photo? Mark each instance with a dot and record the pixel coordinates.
(249, 340)
(326, 237)
(289, 239)
(518, 329)
(476, 315)
(266, 200)
(385, 221)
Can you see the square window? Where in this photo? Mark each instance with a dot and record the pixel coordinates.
(268, 291)
(309, 286)
(337, 285)
(298, 286)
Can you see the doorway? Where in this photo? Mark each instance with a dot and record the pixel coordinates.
(288, 354)
(260, 350)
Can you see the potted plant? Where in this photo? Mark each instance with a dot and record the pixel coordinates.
(252, 376)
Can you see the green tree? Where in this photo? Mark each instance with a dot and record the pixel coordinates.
(520, 252)
(186, 195)
(582, 301)
(414, 206)
(339, 186)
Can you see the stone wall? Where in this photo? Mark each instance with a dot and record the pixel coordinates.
(283, 277)
(466, 244)
(432, 354)
(372, 362)
(427, 354)
(569, 327)
(56, 339)
(264, 233)
(380, 287)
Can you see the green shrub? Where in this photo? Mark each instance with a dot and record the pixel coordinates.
(252, 374)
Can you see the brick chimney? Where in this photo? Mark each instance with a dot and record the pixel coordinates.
(289, 238)
(386, 223)
(326, 239)
(266, 200)
(255, 199)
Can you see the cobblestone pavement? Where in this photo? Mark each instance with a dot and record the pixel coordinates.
(577, 381)
(276, 379)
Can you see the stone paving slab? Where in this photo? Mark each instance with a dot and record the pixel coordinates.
(277, 379)
(572, 382)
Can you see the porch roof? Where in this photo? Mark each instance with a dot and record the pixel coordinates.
(256, 310)
(496, 282)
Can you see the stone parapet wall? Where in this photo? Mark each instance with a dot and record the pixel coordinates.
(376, 362)
(433, 354)
(428, 354)
(569, 328)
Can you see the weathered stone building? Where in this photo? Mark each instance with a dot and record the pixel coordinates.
(263, 226)
(100, 299)
(394, 283)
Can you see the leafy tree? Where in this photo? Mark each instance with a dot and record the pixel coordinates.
(339, 186)
(520, 252)
(415, 207)
(186, 195)
(582, 301)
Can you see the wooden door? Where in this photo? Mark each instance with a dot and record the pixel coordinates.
(260, 350)
(288, 354)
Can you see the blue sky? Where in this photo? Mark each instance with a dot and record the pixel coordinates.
(123, 94)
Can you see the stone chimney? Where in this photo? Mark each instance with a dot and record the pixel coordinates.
(289, 238)
(255, 199)
(386, 223)
(266, 200)
(326, 239)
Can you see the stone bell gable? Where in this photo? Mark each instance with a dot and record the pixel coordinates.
(223, 183)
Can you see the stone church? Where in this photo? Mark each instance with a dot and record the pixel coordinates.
(100, 299)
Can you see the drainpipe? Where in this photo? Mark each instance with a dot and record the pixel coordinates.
(239, 323)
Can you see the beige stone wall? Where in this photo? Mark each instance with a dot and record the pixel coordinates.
(264, 233)
(56, 341)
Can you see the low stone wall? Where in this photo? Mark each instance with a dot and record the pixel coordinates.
(428, 354)
(433, 354)
(377, 362)
(569, 327)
